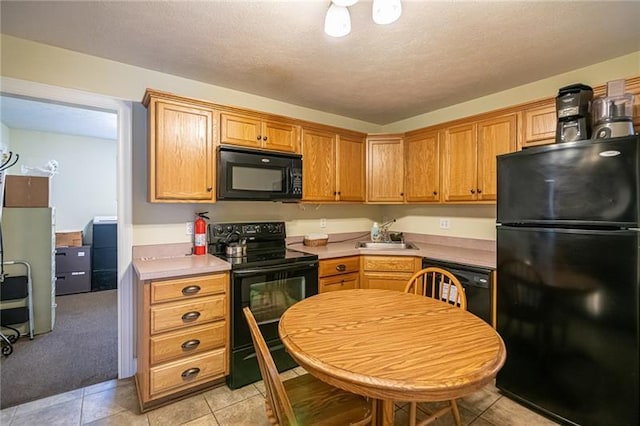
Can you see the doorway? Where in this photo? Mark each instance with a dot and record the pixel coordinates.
(123, 323)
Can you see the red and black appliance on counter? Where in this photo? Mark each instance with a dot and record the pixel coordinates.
(268, 279)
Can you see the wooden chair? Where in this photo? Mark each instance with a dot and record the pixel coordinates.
(304, 400)
(441, 285)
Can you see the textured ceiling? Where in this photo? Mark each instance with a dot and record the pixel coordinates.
(437, 54)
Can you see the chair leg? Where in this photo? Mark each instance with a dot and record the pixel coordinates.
(413, 410)
(455, 412)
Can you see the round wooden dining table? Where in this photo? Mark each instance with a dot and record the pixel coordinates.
(392, 346)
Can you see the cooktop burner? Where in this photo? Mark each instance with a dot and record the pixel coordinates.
(265, 241)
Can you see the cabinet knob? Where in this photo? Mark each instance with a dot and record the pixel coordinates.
(190, 344)
(473, 191)
(402, 194)
(479, 191)
(259, 137)
(339, 193)
(435, 192)
(209, 188)
(191, 316)
(264, 139)
(341, 267)
(189, 290)
(191, 372)
(335, 193)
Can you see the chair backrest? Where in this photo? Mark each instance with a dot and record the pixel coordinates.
(439, 284)
(276, 394)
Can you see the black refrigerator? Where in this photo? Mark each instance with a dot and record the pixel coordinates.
(568, 279)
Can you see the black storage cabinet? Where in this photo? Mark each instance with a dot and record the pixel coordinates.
(104, 256)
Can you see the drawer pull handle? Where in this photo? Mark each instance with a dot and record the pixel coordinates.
(190, 344)
(190, 316)
(341, 267)
(192, 289)
(190, 373)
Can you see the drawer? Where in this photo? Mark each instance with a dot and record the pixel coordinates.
(339, 282)
(172, 316)
(389, 263)
(104, 258)
(181, 288)
(72, 282)
(72, 259)
(340, 265)
(190, 341)
(188, 372)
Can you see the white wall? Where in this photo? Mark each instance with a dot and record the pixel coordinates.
(4, 138)
(85, 185)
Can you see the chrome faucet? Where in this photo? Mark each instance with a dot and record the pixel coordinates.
(384, 230)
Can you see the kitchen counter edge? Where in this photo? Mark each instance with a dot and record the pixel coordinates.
(171, 267)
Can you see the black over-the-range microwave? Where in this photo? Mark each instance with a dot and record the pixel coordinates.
(254, 175)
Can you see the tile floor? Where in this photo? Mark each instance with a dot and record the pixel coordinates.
(115, 403)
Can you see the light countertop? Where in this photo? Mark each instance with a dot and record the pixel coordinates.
(166, 261)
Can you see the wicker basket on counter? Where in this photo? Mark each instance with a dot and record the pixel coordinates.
(315, 240)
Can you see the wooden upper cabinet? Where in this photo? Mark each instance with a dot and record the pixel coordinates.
(385, 169)
(333, 166)
(470, 157)
(350, 177)
(540, 124)
(460, 162)
(422, 162)
(495, 137)
(181, 152)
(318, 165)
(255, 132)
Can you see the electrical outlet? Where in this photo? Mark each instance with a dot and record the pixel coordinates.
(323, 223)
(444, 223)
(188, 230)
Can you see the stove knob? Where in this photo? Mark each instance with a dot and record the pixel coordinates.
(217, 229)
(270, 227)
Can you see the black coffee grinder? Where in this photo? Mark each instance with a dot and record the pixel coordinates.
(573, 108)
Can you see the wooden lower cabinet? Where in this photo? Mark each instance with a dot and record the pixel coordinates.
(182, 336)
(388, 272)
(341, 273)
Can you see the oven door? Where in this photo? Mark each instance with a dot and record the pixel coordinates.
(268, 291)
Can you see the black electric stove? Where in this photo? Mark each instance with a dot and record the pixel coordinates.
(266, 244)
(268, 280)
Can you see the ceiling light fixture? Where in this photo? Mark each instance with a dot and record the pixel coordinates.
(337, 22)
(386, 11)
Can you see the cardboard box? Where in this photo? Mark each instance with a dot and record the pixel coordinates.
(69, 239)
(26, 191)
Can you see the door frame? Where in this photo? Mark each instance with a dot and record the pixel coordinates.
(30, 89)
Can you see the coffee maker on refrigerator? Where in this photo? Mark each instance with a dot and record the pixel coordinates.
(613, 114)
(573, 108)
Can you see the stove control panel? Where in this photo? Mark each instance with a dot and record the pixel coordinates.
(254, 231)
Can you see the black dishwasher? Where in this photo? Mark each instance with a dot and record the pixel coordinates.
(478, 286)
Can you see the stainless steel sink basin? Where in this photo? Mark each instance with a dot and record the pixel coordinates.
(391, 245)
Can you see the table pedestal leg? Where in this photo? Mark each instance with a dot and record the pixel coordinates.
(384, 413)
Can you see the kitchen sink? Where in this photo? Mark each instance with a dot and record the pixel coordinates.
(386, 245)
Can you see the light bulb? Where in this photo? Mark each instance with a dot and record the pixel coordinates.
(337, 23)
(386, 11)
(344, 3)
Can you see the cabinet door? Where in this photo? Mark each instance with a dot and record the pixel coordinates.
(240, 130)
(350, 178)
(422, 154)
(495, 137)
(540, 125)
(460, 163)
(385, 280)
(318, 165)
(181, 154)
(280, 136)
(339, 282)
(385, 169)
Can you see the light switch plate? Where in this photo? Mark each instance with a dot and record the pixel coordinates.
(444, 223)
(323, 223)
(188, 230)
